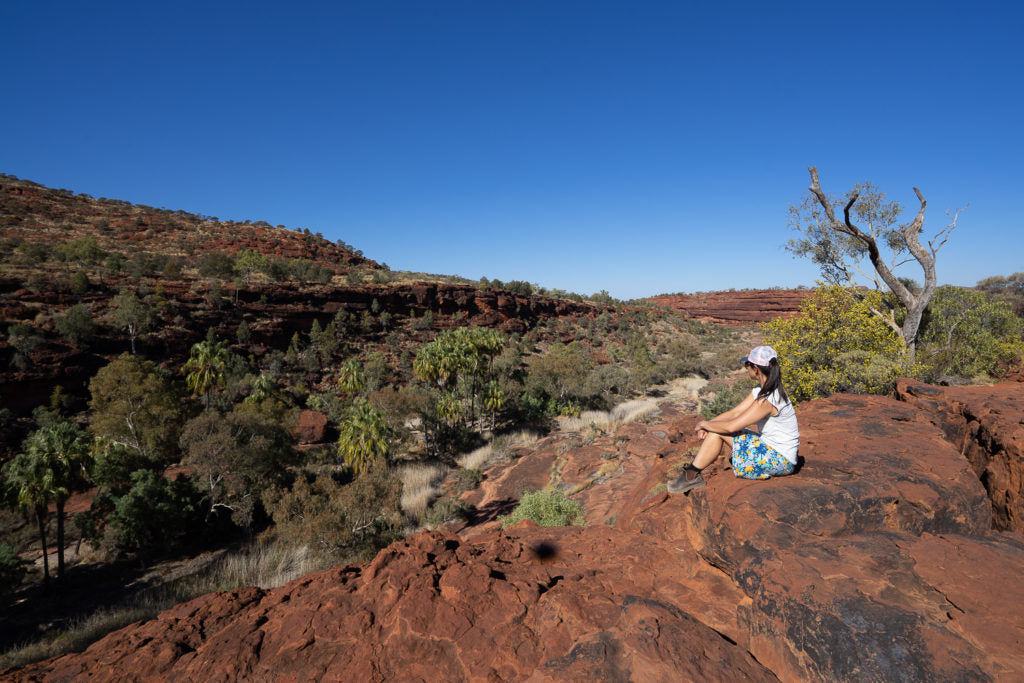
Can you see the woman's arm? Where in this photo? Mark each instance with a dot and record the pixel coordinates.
(755, 411)
(737, 409)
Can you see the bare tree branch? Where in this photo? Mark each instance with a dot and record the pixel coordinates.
(954, 216)
(889, 320)
(908, 236)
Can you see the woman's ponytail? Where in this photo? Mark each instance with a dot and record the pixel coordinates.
(773, 381)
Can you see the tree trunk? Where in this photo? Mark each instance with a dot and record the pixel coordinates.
(60, 539)
(41, 518)
(915, 304)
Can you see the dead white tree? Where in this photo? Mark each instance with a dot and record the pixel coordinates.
(839, 247)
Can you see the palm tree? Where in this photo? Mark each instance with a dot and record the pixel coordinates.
(351, 379)
(31, 481)
(364, 436)
(494, 400)
(64, 450)
(262, 388)
(205, 368)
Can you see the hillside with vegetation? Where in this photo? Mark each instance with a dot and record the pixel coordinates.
(173, 385)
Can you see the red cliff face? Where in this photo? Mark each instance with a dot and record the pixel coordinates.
(985, 424)
(274, 312)
(744, 307)
(876, 561)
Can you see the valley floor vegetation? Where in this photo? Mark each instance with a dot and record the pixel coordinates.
(162, 460)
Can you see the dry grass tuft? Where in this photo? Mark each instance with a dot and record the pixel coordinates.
(421, 484)
(480, 458)
(624, 413)
(523, 437)
(632, 411)
(266, 564)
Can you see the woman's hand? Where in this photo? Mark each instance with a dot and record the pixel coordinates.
(702, 430)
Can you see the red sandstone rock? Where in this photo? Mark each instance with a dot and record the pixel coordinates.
(985, 424)
(874, 562)
(744, 307)
(311, 427)
(549, 604)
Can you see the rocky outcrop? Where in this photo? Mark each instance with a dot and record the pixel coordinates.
(311, 427)
(876, 561)
(984, 424)
(743, 307)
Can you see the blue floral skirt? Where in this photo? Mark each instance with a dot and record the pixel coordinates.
(754, 459)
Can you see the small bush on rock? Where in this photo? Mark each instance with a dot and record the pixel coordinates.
(469, 479)
(546, 508)
(446, 511)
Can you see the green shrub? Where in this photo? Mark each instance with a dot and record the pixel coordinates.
(446, 511)
(546, 508)
(216, 264)
(156, 513)
(349, 521)
(76, 324)
(836, 343)
(12, 569)
(79, 282)
(726, 396)
(966, 333)
(467, 480)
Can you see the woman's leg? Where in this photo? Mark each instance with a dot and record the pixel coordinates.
(710, 448)
(690, 478)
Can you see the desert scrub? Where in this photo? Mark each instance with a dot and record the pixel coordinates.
(446, 511)
(546, 508)
(467, 480)
(723, 397)
(837, 343)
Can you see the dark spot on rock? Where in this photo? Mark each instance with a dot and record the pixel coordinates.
(544, 551)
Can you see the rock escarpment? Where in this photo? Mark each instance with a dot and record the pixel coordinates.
(877, 561)
(273, 312)
(744, 307)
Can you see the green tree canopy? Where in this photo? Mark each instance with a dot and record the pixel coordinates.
(76, 324)
(131, 314)
(136, 404)
(249, 261)
(204, 369)
(351, 378)
(869, 243)
(560, 372)
(64, 452)
(31, 482)
(235, 456)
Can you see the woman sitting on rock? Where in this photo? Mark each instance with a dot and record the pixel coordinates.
(761, 430)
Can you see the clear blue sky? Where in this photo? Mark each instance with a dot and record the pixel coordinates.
(638, 147)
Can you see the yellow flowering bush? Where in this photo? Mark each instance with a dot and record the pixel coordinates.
(836, 344)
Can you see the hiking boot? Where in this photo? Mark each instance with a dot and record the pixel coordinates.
(682, 484)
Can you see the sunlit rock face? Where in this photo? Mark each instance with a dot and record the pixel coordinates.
(893, 553)
(743, 307)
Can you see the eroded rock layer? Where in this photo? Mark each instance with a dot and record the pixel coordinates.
(984, 423)
(743, 307)
(876, 561)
